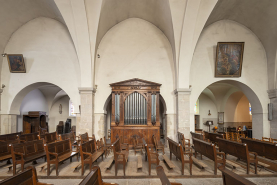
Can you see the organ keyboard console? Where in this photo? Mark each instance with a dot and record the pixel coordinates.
(135, 110)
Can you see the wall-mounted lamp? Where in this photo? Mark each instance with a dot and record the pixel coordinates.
(4, 54)
(98, 56)
(3, 86)
(209, 113)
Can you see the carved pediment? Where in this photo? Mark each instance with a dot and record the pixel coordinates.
(135, 82)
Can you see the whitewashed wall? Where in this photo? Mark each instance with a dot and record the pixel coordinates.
(254, 68)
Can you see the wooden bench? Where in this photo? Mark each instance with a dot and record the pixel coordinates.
(158, 145)
(120, 156)
(139, 166)
(72, 138)
(213, 136)
(231, 178)
(58, 152)
(265, 149)
(163, 177)
(28, 137)
(5, 152)
(27, 177)
(10, 138)
(177, 150)
(23, 153)
(109, 163)
(89, 153)
(239, 150)
(197, 136)
(208, 149)
(153, 158)
(50, 137)
(84, 137)
(94, 178)
(185, 143)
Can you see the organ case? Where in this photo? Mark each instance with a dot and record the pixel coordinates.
(135, 110)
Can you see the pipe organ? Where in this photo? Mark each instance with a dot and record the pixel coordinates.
(135, 110)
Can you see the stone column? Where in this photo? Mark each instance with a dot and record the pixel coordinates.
(272, 95)
(86, 123)
(8, 123)
(183, 111)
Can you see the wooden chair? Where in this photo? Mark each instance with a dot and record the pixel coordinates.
(267, 139)
(58, 152)
(89, 154)
(136, 146)
(107, 144)
(184, 142)
(23, 153)
(157, 144)
(163, 177)
(231, 178)
(239, 150)
(208, 149)
(273, 140)
(197, 135)
(153, 158)
(124, 146)
(104, 148)
(27, 177)
(177, 149)
(120, 156)
(94, 178)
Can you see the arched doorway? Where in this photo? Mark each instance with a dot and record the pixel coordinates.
(229, 104)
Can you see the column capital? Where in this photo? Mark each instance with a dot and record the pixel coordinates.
(272, 93)
(182, 91)
(87, 90)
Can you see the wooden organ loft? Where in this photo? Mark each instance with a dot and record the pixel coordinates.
(135, 110)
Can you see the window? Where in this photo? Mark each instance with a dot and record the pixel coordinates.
(196, 107)
(71, 109)
(250, 110)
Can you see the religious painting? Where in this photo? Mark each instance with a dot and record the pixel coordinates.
(229, 57)
(16, 63)
(220, 117)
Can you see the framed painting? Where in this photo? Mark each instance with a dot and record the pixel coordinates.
(221, 118)
(229, 56)
(16, 63)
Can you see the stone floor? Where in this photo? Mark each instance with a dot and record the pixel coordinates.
(133, 176)
(198, 181)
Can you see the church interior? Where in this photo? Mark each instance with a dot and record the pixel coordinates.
(138, 92)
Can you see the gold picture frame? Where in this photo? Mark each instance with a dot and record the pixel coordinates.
(229, 58)
(16, 63)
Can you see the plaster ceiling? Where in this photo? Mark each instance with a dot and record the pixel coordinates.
(15, 13)
(260, 16)
(156, 12)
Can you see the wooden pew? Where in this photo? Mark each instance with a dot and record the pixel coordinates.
(177, 150)
(239, 150)
(89, 153)
(27, 177)
(231, 178)
(213, 136)
(28, 137)
(10, 138)
(23, 153)
(266, 139)
(94, 178)
(208, 149)
(72, 138)
(163, 177)
(185, 144)
(84, 137)
(120, 156)
(158, 145)
(5, 152)
(153, 158)
(197, 136)
(51, 137)
(266, 149)
(58, 152)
